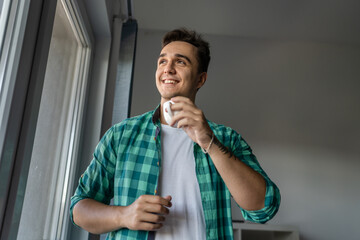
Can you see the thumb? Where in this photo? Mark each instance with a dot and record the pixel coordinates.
(168, 198)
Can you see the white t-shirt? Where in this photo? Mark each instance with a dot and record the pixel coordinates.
(178, 179)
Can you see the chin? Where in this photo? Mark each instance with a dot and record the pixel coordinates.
(169, 96)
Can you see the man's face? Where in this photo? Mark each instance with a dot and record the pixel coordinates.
(177, 71)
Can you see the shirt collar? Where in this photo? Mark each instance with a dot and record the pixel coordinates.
(156, 115)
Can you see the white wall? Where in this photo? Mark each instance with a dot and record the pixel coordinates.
(297, 104)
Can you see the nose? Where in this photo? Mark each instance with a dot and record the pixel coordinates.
(169, 68)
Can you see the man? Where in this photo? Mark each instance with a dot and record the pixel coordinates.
(173, 181)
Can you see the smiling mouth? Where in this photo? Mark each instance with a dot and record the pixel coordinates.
(170, 81)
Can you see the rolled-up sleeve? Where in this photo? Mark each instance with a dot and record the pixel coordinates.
(272, 196)
(97, 181)
(272, 203)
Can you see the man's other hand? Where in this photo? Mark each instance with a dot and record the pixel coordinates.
(146, 213)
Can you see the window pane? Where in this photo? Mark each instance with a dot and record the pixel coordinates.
(54, 137)
(4, 11)
(13, 15)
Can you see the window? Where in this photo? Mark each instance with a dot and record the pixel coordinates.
(4, 12)
(13, 15)
(44, 213)
(12, 18)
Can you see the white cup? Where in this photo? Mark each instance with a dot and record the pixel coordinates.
(168, 113)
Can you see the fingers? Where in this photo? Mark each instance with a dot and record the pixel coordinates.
(188, 119)
(153, 218)
(191, 119)
(153, 208)
(148, 212)
(146, 221)
(184, 104)
(188, 116)
(149, 226)
(168, 198)
(186, 109)
(165, 201)
(153, 204)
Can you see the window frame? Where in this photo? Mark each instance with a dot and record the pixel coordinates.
(64, 186)
(11, 96)
(23, 102)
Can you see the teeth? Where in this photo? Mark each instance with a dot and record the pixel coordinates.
(170, 81)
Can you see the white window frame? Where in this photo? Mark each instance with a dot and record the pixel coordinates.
(58, 213)
(72, 150)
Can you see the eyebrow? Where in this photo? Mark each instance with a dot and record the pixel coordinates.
(177, 55)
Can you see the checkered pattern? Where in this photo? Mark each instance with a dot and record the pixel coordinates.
(127, 162)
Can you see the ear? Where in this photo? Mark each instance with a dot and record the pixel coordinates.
(202, 79)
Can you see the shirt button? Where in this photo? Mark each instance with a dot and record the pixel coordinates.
(158, 163)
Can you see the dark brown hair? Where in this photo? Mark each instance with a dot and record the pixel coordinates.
(182, 34)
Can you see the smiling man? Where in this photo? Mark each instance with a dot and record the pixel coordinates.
(173, 180)
(178, 72)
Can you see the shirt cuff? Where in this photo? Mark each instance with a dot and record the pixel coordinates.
(272, 203)
(74, 201)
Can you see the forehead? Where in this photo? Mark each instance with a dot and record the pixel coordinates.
(179, 47)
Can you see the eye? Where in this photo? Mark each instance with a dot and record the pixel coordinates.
(161, 61)
(180, 61)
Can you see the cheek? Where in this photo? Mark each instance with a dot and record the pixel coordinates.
(158, 72)
(157, 78)
(187, 75)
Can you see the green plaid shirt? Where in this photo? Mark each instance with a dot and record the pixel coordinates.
(127, 163)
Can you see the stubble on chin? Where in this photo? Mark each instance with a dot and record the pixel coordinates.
(168, 97)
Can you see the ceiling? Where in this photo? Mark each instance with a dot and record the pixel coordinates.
(307, 20)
